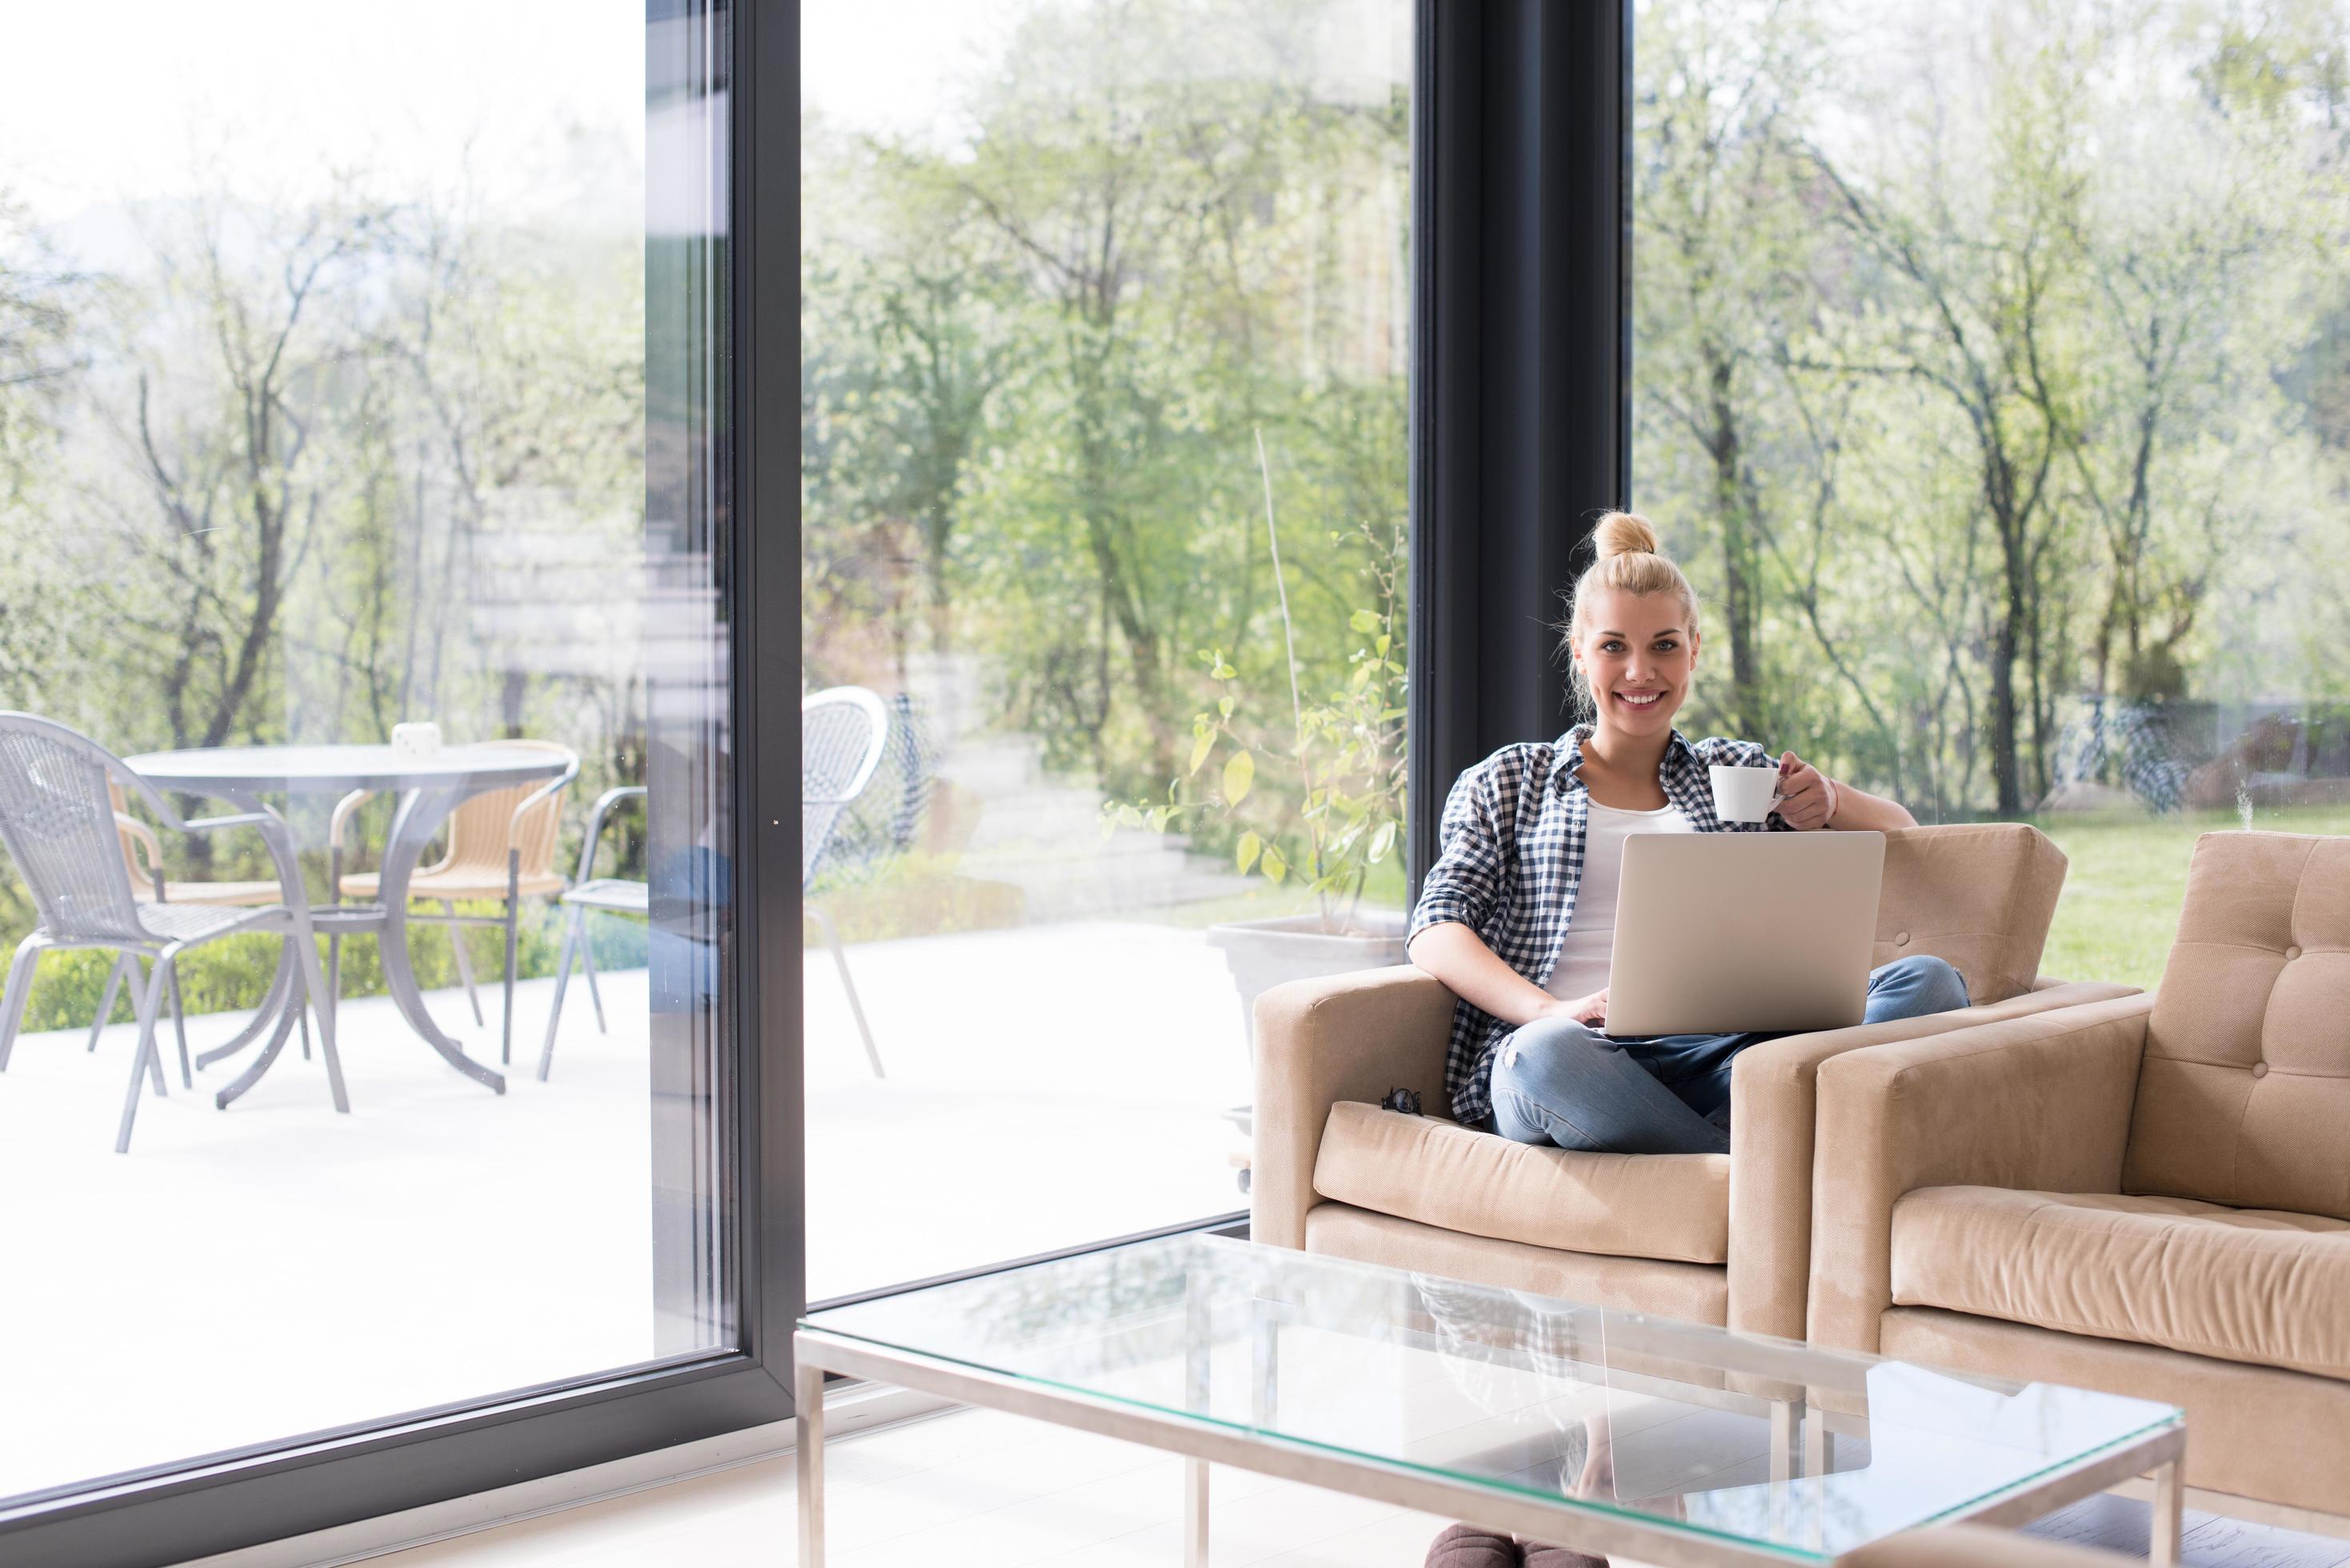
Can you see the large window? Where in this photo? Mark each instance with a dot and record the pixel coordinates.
(1992, 376)
(1104, 474)
(350, 384)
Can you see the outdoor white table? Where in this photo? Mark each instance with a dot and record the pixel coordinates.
(1606, 1431)
(429, 788)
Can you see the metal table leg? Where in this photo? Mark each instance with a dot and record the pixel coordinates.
(261, 1064)
(420, 813)
(807, 1401)
(2169, 1516)
(263, 1016)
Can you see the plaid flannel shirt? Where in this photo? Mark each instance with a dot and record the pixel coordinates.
(1510, 862)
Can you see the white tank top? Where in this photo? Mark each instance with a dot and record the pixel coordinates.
(1590, 941)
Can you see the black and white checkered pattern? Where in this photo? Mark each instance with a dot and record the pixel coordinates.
(1510, 861)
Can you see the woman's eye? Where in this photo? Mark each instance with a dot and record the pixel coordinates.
(1611, 646)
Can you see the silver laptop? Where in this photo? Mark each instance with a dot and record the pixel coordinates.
(1719, 932)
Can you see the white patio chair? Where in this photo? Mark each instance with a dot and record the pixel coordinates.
(844, 731)
(589, 892)
(59, 826)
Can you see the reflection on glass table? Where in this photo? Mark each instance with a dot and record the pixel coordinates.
(1607, 1431)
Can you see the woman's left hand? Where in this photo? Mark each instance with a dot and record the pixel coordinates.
(1806, 796)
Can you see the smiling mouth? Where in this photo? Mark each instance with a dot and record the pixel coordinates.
(1639, 698)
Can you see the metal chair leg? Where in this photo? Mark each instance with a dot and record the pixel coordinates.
(588, 962)
(464, 960)
(857, 1008)
(105, 1002)
(152, 980)
(575, 919)
(304, 1021)
(19, 990)
(150, 1001)
(180, 1026)
(333, 972)
(514, 900)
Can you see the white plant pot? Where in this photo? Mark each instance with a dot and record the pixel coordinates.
(1263, 954)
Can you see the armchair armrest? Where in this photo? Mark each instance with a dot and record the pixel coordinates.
(1774, 1106)
(602, 809)
(2034, 1104)
(135, 831)
(280, 840)
(537, 797)
(1338, 1037)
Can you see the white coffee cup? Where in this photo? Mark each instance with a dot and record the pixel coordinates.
(415, 743)
(1744, 795)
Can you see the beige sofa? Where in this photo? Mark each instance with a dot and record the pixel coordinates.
(1708, 1238)
(2149, 1196)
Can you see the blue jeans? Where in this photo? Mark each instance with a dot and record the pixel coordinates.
(1559, 1082)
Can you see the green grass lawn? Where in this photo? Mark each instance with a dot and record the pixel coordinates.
(2127, 877)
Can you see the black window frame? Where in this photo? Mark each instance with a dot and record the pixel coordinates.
(1519, 435)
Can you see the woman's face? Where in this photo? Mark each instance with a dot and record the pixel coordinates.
(1638, 655)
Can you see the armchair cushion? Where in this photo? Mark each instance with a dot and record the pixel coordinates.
(2244, 1097)
(1669, 1206)
(2240, 1285)
(1979, 895)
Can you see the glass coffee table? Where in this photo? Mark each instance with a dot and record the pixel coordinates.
(1674, 1443)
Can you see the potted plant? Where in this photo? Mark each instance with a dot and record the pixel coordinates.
(1349, 752)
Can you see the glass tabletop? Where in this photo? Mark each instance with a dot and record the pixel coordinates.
(1765, 1441)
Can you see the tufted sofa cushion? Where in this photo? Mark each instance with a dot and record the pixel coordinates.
(2244, 1095)
(1977, 894)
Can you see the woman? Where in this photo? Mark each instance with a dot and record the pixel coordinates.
(1517, 915)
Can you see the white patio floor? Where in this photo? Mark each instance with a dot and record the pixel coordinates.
(243, 1275)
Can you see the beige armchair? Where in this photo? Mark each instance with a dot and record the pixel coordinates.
(1708, 1238)
(2149, 1196)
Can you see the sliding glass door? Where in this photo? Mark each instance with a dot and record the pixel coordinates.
(367, 455)
(1104, 438)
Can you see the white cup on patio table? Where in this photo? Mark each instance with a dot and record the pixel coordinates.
(1744, 795)
(416, 742)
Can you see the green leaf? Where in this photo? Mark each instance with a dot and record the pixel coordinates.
(1200, 746)
(1130, 817)
(1274, 867)
(1361, 677)
(1382, 841)
(1240, 776)
(1364, 620)
(1224, 671)
(1157, 818)
(1225, 705)
(1244, 853)
(1383, 643)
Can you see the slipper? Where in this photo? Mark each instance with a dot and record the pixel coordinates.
(1541, 1556)
(1466, 1546)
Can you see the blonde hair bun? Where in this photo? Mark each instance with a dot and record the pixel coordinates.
(1630, 561)
(1625, 534)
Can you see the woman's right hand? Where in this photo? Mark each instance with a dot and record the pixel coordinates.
(1591, 1010)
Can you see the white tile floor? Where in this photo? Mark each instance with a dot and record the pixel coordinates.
(973, 1488)
(280, 1269)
